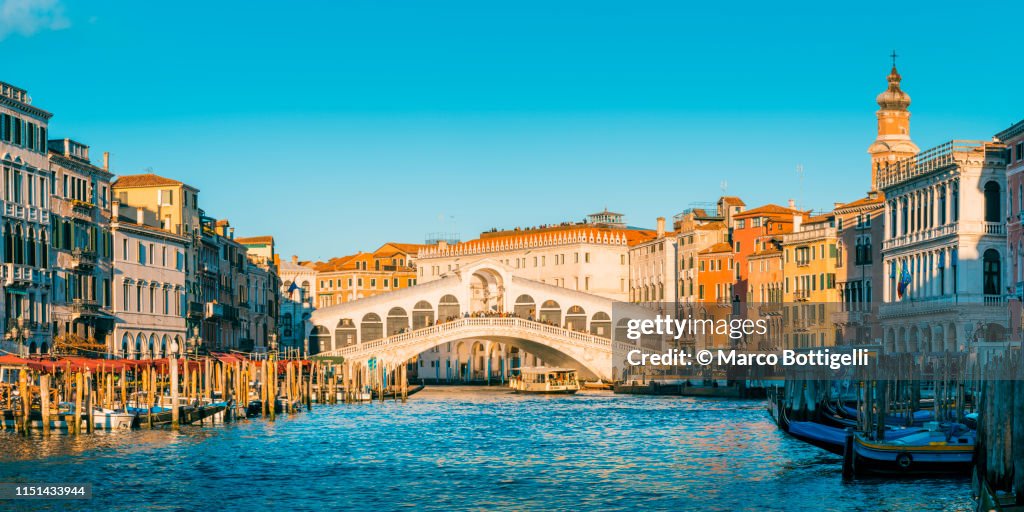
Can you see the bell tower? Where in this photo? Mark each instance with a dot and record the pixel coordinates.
(893, 142)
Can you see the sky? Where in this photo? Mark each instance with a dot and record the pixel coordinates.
(339, 126)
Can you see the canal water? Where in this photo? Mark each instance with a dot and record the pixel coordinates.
(454, 448)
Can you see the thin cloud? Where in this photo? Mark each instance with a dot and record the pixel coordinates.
(27, 17)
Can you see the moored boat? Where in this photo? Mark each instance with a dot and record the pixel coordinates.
(928, 451)
(548, 381)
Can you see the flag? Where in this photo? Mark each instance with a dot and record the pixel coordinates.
(905, 278)
(292, 288)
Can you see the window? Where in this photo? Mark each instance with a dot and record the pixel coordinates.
(142, 254)
(992, 202)
(992, 268)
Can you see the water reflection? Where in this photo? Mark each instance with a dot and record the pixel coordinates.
(458, 448)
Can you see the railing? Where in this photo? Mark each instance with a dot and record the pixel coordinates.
(995, 228)
(921, 236)
(83, 258)
(810, 234)
(14, 274)
(927, 161)
(413, 337)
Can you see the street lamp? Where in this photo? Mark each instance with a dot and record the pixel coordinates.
(272, 341)
(18, 333)
(195, 341)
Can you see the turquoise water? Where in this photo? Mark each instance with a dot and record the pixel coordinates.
(471, 448)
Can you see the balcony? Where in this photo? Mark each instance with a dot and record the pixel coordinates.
(216, 310)
(195, 310)
(14, 274)
(82, 206)
(921, 236)
(85, 307)
(83, 259)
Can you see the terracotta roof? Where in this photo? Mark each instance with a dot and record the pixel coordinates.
(864, 201)
(409, 248)
(719, 247)
(143, 180)
(768, 209)
(335, 264)
(766, 252)
(733, 200)
(710, 226)
(819, 218)
(255, 240)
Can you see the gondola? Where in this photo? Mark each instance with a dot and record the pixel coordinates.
(925, 452)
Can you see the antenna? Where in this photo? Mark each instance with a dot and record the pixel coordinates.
(800, 176)
(724, 185)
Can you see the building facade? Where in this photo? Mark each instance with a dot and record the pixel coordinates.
(81, 250)
(149, 295)
(653, 270)
(591, 256)
(26, 278)
(944, 247)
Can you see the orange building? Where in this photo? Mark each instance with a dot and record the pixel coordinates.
(365, 274)
(754, 226)
(716, 273)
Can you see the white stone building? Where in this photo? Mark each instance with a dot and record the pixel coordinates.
(298, 293)
(25, 277)
(946, 225)
(148, 286)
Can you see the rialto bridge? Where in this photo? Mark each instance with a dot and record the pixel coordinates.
(477, 322)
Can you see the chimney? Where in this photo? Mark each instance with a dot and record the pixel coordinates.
(295, 259)
(797, 222)
(106, 161)
(792, 204)
(661, 227)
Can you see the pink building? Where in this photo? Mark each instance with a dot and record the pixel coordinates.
(1013, 137)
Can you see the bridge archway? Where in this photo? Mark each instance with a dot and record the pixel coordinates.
(448, 308)
(576, 319)
(601, 325)
(398, 321)
(345, 333)
(487, 289)
(371, 327)
(551, 313)
(525, 307)
(319, 339)
(422, 315)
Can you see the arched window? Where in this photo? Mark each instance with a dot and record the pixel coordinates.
(992, 280)
(992, 202)
(8, 244)
(126, 343)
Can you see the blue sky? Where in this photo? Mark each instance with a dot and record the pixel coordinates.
(337, 126)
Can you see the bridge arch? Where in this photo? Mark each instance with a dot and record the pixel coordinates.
(601, 325)
(448, 308)
(345, 333)
(576, 319)
(398, 321)
(550, 313)
(319, 339)
(422, 315)
(525, 307)
(371, 327)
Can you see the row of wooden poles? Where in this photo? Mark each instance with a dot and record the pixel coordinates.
(891, 387)
(360, 379)
(999, 458)
(145, 386)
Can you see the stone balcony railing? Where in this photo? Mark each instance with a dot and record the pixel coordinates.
(953, 228)
(474, 327)
(14, 274)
